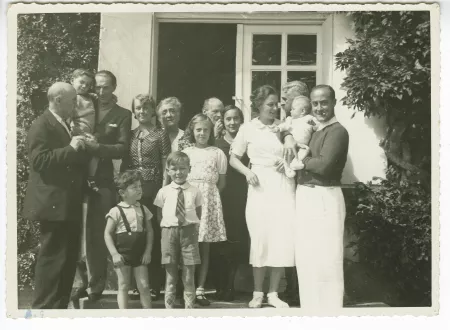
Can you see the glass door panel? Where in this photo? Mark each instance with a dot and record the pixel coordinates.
(266, 50)
(274, 55)
(301, 49)
(308, 77)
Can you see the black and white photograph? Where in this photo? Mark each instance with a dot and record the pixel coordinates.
(235, 160)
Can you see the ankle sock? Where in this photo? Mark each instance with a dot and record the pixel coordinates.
(169, 299)
(189, 299)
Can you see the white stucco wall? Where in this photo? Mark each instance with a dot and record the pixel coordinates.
(125, 50)
(366, 158)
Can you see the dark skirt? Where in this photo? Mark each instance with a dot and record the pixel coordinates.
(149, 191)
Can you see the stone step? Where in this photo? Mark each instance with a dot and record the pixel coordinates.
(109, 301)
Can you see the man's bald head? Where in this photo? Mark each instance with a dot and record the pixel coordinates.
(213, 108)
(62, 99)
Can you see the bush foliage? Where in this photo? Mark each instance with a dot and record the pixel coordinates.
(388, 66)
(49, 48)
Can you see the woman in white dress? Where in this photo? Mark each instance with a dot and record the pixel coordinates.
(270, 210)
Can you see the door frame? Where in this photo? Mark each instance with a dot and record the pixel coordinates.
(299, 19)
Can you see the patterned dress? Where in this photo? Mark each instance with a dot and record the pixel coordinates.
(206, 165)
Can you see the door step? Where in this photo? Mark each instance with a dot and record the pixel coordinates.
(109, 301)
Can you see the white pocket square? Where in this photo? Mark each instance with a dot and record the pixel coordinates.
(113, 125)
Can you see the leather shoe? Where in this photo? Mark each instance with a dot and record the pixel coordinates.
(93, 297)
(77, 294)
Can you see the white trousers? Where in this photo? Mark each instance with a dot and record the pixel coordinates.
(319, 249)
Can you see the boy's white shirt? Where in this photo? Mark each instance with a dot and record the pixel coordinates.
(167, 198)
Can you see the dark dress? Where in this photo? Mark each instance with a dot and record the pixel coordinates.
(234, 199)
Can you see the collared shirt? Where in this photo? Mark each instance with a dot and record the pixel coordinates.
(61, 121)
(167, 198)
(134, 216)
(260, 142)
(177, 138)
(321, 126)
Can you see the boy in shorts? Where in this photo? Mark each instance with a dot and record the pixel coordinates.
(179, 210)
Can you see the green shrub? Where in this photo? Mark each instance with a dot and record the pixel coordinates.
(392, 223)
(388, 73)
(49, 48)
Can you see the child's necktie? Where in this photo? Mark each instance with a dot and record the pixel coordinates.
(180, 212)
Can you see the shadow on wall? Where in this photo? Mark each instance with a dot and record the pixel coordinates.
(348, 176)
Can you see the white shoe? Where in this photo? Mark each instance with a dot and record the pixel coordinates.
(273, 300)
(257, 300)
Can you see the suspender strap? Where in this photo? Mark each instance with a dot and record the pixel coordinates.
(124, 219)
(144, 224)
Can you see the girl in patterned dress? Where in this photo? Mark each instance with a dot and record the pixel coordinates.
(208, 169)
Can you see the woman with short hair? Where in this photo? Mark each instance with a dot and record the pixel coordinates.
(235, 250)
(149, 148)
(169, 112)
(270, 210)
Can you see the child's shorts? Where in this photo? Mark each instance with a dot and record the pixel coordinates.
(179, 245)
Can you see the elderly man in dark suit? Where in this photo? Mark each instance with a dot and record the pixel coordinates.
(54, 197)
(112, 133)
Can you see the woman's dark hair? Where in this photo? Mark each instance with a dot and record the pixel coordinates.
(189, 132)
(233, 107)
(259, 95)
(126, 179)
(327, 87)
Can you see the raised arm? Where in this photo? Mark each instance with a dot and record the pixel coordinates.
(120, 148)
(334, 148)
(43, 158)
(289, 147)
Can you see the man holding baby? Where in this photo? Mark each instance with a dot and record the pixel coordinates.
(112, 138)
(320, 207)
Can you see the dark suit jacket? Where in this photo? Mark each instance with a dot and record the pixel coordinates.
(113, 133)
(55, 181)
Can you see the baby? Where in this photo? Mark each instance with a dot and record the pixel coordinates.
(83, 122)
(302, 125)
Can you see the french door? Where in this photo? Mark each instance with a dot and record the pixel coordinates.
(274, 55)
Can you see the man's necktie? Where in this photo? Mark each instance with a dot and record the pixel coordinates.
(180, 212)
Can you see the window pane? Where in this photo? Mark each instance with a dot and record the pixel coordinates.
(302, 49)
(308, 77)
(272, 78)
(266, 50)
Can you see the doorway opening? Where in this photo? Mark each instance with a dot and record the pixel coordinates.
(196, 61)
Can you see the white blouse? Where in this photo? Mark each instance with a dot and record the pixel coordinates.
(262, 145)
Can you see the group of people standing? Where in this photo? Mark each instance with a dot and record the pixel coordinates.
(187, 198)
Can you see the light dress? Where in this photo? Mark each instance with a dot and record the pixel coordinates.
(270, 211)
(206, 165)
